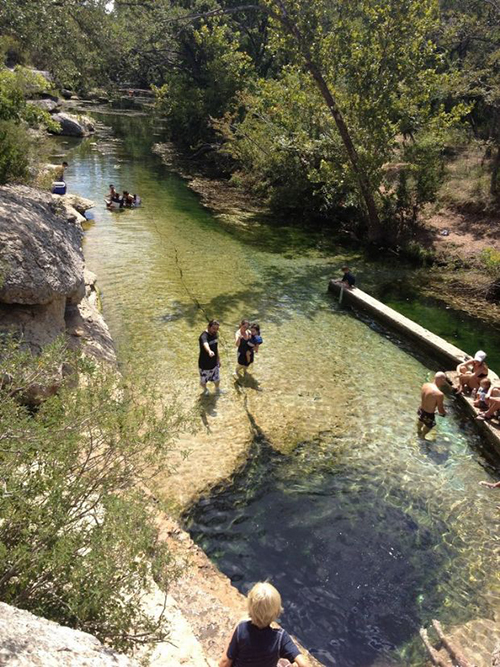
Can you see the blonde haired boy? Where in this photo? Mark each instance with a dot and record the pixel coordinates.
(255, 643)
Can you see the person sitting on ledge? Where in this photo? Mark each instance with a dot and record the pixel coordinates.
(482, 393)
(470, 373)
(492, 400)
(254, 642)
(348, 279)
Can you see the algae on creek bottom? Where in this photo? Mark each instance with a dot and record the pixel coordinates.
(337, 399)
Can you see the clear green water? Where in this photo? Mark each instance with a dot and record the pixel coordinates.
(367, 532)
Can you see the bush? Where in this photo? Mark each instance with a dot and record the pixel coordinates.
(15, 150)
(78, 543)
(491, 261)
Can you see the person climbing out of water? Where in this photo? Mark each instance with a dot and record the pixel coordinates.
(254, 342)
(490, 485)
(471, 372)
(209, 360)
(254, 642)
(431, 398)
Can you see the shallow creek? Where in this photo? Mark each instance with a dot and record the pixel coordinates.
(367, 532)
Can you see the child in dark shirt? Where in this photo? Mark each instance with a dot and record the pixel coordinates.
(255, 643)
(253, 342)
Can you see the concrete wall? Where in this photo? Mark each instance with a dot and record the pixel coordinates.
(447, 354)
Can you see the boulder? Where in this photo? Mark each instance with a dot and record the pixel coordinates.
(37, 325)
(74, 126)
(30, 641)
(66, 93)
(46, 104)
(41, 258)
(81, 204)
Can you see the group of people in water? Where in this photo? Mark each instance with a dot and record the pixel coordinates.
(255, 641)
(126, 200)
(472, 378)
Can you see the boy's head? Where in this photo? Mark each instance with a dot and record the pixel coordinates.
(264, 604)
(255, 329)
(485, 383)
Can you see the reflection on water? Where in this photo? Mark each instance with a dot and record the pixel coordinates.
(367, 532)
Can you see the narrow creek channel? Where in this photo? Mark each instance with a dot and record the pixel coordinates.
(367, 532)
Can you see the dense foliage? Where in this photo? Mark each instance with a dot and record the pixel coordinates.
(78, 543)
(17, 116)
(330, 109)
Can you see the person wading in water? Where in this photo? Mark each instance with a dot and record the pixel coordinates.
(432, 398)
(209, 360)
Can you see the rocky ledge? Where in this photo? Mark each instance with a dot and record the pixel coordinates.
(29, 641)
(43, 288)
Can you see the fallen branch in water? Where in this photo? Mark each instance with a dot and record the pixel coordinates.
(454, 652)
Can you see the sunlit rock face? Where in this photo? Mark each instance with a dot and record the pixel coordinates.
(41, 265)
(43, 290)
(40, 253)
(30, 641)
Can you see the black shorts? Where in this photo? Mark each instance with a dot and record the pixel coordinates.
(427, 418)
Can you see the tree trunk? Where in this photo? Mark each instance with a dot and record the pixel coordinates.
(374, 228)
(495, 176)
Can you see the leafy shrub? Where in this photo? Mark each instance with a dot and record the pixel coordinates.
(491, 260)
(16, 116)
(15, 150)
(78, 543)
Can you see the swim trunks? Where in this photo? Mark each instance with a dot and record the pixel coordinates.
(427, 418)
(209, 375)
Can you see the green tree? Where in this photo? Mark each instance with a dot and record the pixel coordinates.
(78, 542)
(75, 40)
(17, 115)
(204, 85)
(471, 40)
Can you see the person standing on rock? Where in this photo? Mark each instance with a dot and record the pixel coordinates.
(209, 360)
(59, 171)
(254, 642)
(432, 398)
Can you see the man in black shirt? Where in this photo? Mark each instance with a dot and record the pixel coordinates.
(209, 360)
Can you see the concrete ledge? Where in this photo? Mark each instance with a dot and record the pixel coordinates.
(438, 347)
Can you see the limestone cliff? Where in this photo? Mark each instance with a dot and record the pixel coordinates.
(43, 291)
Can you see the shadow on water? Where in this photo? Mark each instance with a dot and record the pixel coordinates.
(365, 570)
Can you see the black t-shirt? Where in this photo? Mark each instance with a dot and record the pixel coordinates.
(251, 646)
(205, 361)
(243, 348)
(349, 278)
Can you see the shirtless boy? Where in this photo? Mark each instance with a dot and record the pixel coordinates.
(432, 398)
